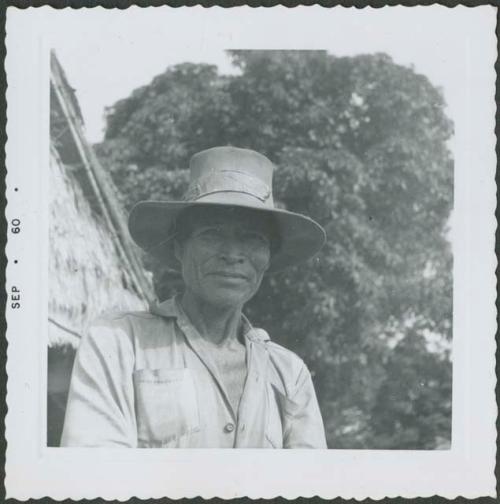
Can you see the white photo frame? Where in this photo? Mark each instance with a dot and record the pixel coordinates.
(467, 469)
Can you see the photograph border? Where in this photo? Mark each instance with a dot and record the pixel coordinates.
(19, 85)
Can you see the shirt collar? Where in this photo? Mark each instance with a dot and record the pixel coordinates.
(172, 309)
(166, 309)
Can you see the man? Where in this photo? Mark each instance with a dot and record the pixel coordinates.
(193, 372)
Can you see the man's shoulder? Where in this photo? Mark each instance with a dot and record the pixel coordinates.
(284, 360)
(120, 316)
(132, 325)
(262, 337)
(120, 319)
(282, 353)
(155, 313)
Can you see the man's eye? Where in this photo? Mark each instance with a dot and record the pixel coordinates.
(255, 239)
(209, 234)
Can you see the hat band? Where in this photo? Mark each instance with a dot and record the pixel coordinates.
(227, 181)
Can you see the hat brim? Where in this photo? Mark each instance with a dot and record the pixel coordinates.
(151, 221)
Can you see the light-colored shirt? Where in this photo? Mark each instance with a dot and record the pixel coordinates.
(145, 379)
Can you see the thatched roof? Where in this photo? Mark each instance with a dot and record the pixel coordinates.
(94, 266)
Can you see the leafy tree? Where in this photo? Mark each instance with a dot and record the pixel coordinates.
(360, 144)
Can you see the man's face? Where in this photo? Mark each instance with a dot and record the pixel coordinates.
(224, 256)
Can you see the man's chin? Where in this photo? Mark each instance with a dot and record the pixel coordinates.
(227, 297)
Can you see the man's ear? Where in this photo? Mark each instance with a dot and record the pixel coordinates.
(268, 264)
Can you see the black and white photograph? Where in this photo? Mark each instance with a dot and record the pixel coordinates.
(343, 269)
(258, 229)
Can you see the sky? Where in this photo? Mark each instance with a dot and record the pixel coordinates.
(109, 53)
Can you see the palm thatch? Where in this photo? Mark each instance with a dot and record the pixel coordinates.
(93, 266)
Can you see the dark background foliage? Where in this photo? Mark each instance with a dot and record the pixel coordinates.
(360, 145)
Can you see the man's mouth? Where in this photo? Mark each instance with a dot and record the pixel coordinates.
(229, 274)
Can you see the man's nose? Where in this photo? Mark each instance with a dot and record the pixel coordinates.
(232, 251)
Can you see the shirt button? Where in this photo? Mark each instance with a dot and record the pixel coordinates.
(229, 427)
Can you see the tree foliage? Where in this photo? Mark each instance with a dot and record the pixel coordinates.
(360, 145)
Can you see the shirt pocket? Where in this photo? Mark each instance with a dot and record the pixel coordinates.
(166, 406)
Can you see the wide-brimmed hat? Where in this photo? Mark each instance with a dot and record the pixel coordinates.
(227, 177)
